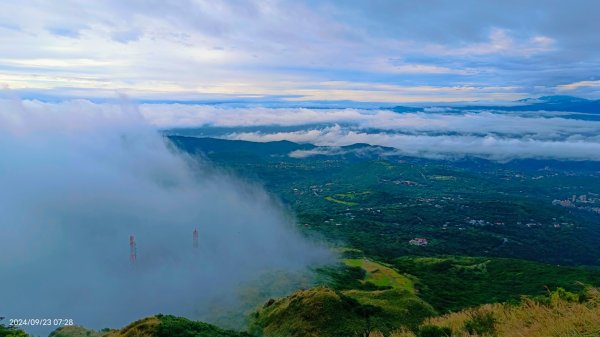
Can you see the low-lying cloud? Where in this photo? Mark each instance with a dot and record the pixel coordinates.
(543, 125)
(187, 115)
(435, 132)
(77, 179)
(491, 147)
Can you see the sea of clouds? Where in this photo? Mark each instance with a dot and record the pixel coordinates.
(434, 132)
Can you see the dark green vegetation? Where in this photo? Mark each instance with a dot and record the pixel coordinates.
(171, 326)
(155, 326)
(379, 203)
(501, 215)
(454, 283)
(10, 331)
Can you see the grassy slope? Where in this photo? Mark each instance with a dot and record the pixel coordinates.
(557, 318)
(369, 296)
(341, 202)
(324, 312)
(155, 326)
(382, 275)
(399, 308)
(310, 313)
(453, 283)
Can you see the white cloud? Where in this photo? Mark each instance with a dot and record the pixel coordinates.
(441, 146)
(577, 85)
(169, 115)
(447, 133)
(533, 124)
(481, 130)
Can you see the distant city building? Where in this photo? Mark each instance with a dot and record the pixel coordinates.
(419, 242)
(563, 203)
(585, 202)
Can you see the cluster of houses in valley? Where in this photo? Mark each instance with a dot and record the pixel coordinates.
(587, 202)
(480, 222)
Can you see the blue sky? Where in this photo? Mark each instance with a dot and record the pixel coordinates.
(371, 51)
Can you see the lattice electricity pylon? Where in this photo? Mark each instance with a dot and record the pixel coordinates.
(195, 234)
(132, 250)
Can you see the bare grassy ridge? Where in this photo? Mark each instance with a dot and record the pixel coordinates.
(559, 317)
(324, 312)
(382, 275)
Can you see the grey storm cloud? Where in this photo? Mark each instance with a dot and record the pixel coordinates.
(78, 179)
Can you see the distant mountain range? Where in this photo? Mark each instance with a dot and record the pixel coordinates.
(243, 151)
(544, 103)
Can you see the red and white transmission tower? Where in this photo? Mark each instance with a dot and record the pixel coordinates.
(132, 250)
(195, 244)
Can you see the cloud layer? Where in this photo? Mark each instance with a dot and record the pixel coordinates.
(440, 146)
(77, 179)
(545, 125)
(434, 132)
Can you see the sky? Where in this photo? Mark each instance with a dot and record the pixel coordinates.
(367, 51)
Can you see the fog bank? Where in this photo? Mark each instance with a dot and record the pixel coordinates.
(77, 179)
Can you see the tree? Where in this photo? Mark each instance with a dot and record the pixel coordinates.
(11, 331)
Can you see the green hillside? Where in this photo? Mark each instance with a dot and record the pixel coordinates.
(470, 207)
(453, 283)
(324, 312)
(381, 275)
(155, 326)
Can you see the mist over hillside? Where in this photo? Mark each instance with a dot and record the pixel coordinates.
(78, 179)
